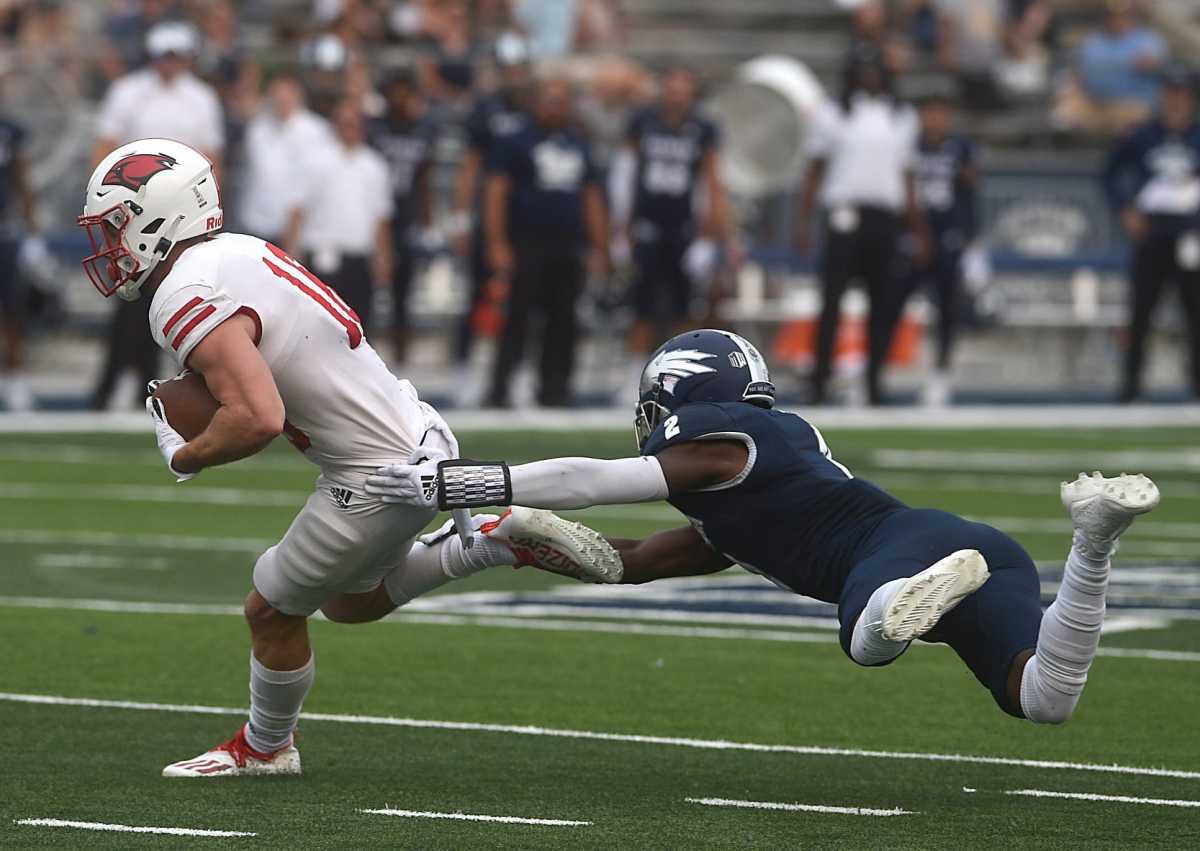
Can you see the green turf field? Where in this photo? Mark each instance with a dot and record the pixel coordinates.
(516, 695)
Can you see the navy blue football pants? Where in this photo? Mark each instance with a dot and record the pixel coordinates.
(990, 627)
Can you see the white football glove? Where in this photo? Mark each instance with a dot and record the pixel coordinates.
(169, 440)
(414, 483)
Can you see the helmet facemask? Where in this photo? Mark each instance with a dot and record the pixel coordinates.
(112, 267)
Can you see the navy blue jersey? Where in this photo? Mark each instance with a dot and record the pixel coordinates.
(493, 117)
(947, 198)
(549, 170)
(794, 514)
(1156, 170)
(668, 165)
(408, 147)
(12, 135)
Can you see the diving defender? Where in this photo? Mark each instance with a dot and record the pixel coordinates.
(761, 489)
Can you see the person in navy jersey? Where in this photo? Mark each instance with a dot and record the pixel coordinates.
(1152, 179)
(494, 117)
(761, 488)
(674, 151)
(14, 190)
(946, 178)
(544, 209)
(406, 138)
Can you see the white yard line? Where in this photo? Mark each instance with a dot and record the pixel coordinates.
(799, 808)
(51, 537)
(127, 828)
(591, 735)
(1173, 459)
(108, 456)
(448, 616)
(1090, 796)
(241, 497)
(553, 822)
(974, 483)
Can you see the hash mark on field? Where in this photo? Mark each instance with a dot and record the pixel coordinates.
(126, 828)
(592, 735)
(1090, 796)
(802, 808)
(553, 822)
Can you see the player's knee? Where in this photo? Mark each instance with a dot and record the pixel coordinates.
(1038, 700)
(264, 618)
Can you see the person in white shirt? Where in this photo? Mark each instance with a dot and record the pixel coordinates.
(282, 134)
(342, 218)
(163, 100)
(861, 153)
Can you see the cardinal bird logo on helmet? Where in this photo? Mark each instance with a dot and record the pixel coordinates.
(135, 170)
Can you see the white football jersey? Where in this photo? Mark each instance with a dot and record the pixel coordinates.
(345, 411)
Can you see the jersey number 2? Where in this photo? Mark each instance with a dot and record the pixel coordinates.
(318, 291)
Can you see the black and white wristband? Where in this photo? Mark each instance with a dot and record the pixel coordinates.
(463, 483)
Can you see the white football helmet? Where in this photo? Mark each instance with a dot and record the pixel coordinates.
(142, 199)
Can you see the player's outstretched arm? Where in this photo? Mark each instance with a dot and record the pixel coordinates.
(678, 552)
(561, 483)
(251, 411)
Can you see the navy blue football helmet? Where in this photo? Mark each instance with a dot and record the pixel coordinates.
(700, 366)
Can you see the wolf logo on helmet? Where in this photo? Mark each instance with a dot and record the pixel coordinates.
(134, 170)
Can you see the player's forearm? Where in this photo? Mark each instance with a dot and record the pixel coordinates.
(234, 433)
(573, 483)
(678, 552)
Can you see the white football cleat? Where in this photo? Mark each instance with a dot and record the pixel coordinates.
(544, 540)
(236, 758)
(1101, 509)
(923, 599)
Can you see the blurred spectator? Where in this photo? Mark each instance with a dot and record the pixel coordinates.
(129, 22)
(15, 243)
(544, 203)
(946, 176)
(341, 223)
(870, 31)
(1153, 179)
(550, 25)
(671, 153)
(406, 138)
(450, 72)
(1115, 83)
(860, 166)
(165, 100)
(494, 117)
(279, 138)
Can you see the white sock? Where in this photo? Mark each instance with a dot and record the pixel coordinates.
(428, 567)
(275, 701)
(1054, 678)
(867, 644)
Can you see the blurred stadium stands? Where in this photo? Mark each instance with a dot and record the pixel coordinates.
(1048, 308)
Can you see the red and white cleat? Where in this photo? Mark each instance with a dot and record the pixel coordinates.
(544, 540)
(236, 758)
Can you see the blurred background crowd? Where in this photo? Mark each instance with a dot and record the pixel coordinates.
(914, 201)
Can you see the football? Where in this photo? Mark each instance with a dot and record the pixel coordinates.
(187, 403)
